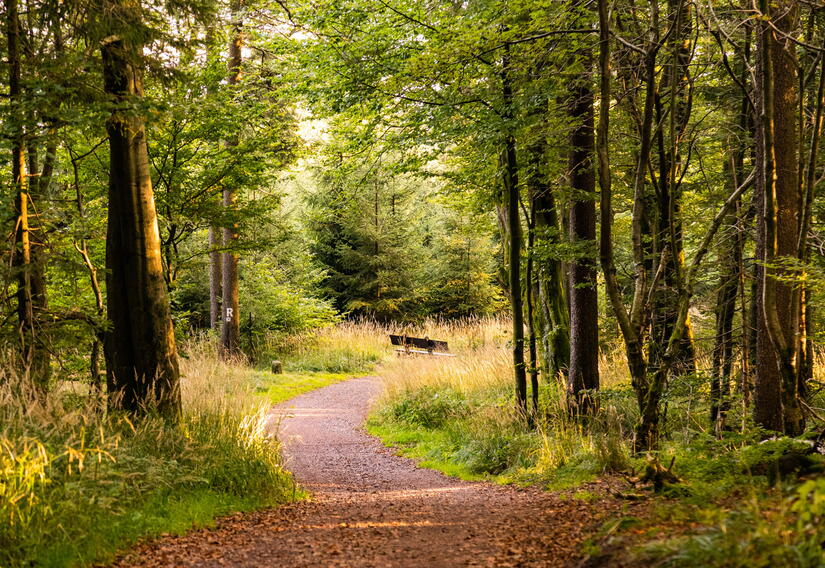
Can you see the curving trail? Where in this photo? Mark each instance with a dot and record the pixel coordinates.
(372, 508)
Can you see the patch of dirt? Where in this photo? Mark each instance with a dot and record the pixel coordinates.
(370, 507)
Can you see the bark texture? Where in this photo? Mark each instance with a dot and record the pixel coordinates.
(231, 325)
(583, 373)
(141, 359)
(777, 401)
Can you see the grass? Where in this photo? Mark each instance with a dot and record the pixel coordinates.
(88, 484)
(78, 484)
(457, 415)
(281, 387)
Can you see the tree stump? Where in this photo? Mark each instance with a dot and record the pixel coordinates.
(277, 367)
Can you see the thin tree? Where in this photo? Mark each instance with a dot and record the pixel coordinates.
(510, 185)
(648, 383)
(22, 234)
(231, 326)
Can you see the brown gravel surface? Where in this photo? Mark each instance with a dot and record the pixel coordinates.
(372, 508)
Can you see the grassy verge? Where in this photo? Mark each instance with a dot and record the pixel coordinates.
(739, 502)
(457, 415)
(78, 484)
(278, 388)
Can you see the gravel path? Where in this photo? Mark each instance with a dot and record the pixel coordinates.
(372, 508)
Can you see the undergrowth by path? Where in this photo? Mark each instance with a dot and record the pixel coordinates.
(741, 501)
(78, 484)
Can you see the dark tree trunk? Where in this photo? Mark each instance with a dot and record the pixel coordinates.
(583, 373)
(141, 359)
(777, 388)
(231, 327)
(551, 303)
(510, 185)
(529, 290)
(722, 358)
(550, 309)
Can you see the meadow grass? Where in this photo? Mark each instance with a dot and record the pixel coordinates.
(458, 415)
(78, 484)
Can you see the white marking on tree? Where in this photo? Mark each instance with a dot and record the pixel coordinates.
(229, 313)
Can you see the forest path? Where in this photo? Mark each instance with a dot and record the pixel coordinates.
(372, 508)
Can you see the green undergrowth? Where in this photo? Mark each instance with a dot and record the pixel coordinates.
(476, 435)
(740, 500)
(174, 511)
(742, 503)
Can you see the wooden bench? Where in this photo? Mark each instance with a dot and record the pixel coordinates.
(420, 346)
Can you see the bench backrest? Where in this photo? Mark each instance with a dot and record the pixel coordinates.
(419, 342)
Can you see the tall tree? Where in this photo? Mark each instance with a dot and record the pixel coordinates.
(231, 325)
(141, 358)
(583, 373)
(552, 319)
(22, 233)
(512, 222)
(777, 395)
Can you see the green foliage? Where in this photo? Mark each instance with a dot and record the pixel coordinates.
(772, 530)
(429, 407)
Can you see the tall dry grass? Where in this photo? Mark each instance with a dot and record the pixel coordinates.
(76, 482)
(357, 346)
(469, 399)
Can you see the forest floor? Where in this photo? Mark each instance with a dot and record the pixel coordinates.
(369, 507)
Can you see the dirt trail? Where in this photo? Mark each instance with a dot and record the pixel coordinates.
(372, 508)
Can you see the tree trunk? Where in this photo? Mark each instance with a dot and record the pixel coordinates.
(231, 328)
(22, 243)
(550, 309)
(529, 290)
(668, 242)
(732, 277)
(722, 358)
(214, 279)
(509, 167)
(141, 359)
(27, 258)
(777, 388)
(583, 373)
(552, 317)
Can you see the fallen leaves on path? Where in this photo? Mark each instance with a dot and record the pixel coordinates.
(372, 508)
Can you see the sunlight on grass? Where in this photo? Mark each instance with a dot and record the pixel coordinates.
(278, 388)
(78, 483)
